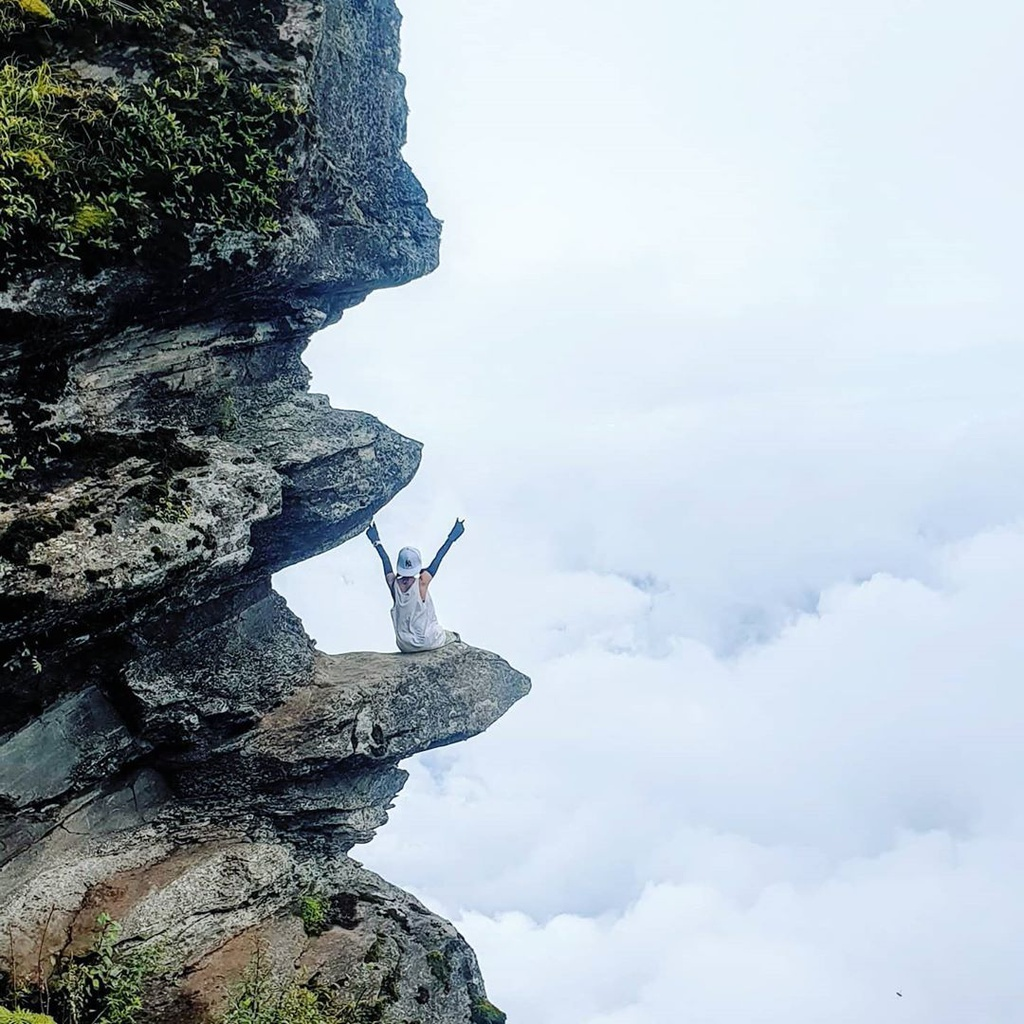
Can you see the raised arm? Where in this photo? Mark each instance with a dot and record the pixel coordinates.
(374, 537)
(456, 532)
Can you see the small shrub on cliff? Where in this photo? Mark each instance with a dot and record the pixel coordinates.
(440, 968)
(227, 415)
(101, 986)
(21, 659)
(10, 468)
(261, 998)
(292, 1005)
(485, 1012)
(17, 16)
(105, 985)
(313, 911)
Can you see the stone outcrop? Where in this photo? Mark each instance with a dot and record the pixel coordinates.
(208, 852)
(174, 751)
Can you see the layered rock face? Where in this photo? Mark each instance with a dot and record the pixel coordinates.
(174, 752)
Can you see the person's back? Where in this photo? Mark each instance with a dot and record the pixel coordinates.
(416, 625)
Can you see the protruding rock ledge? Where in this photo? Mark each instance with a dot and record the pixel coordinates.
(383, 707)
(325, 759)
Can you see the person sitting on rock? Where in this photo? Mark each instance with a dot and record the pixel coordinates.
(412, 610)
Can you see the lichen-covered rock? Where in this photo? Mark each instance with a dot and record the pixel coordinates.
(191, 189)
(158, 446)
(321, 138)
(218, 863)
(145, 510)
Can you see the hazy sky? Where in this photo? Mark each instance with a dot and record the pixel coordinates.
(723, 367)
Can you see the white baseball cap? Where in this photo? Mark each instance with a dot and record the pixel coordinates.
(409, 562)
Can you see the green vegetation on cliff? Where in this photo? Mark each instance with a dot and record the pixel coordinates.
(106, 985)
(168, 148)
(262, 998)
(18, 16)
(101, 986)
(485, 1012)
(313, 911)
(24, 1017)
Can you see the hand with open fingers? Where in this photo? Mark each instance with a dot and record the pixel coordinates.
(457, 530)
(373, 534)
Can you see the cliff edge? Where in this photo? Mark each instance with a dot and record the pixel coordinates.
(188, 189)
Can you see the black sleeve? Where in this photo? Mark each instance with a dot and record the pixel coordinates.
(442, 551)
(385, 561)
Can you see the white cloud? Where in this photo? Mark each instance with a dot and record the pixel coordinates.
(929, 919)
(836, 812)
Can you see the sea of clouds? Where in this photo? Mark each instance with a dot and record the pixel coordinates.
(723, 368)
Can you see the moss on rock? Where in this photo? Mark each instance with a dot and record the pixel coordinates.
(168, 150)
(21, 16)
(24, 1017)
(440, 968)
(485, 1012)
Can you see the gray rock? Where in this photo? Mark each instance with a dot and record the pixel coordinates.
(222, 865)
(323, 762)
(76, 744)
(135, 522)
(209, 906)
(175, 451)
(232, 662)
(382, 707)
(173, 750)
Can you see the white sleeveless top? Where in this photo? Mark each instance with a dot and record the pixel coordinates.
(416, 626)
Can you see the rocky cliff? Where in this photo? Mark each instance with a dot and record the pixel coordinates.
(188, 189)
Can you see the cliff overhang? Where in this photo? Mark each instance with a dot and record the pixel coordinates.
(174, 751)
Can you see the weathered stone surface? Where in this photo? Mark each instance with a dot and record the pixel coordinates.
(173, 751)
(211, 906)
(163, 408)
(221, 865)
(327, 753)
(138, 520)
(355, 218)
(380, 707)
(52, 864)
(78, 742)
(233, 661)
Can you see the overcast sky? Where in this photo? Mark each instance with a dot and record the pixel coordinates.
(723, 367)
